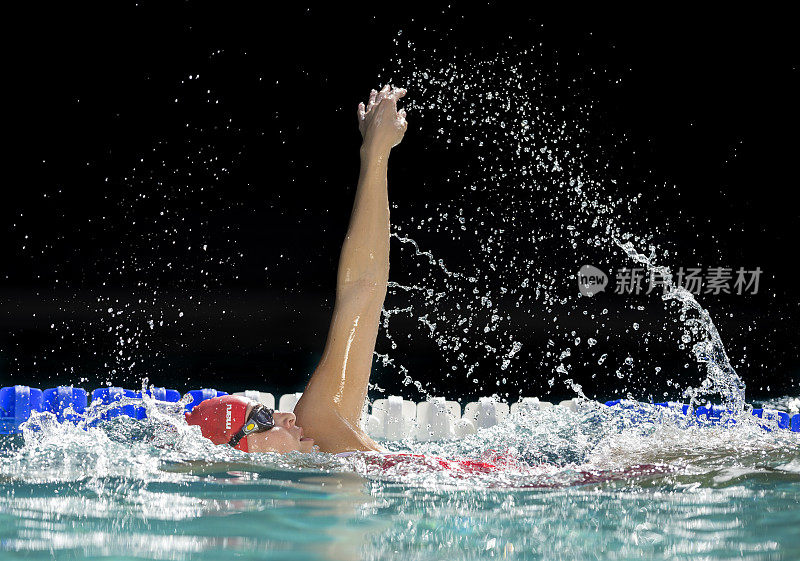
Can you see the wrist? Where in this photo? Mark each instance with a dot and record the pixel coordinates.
(370, 153)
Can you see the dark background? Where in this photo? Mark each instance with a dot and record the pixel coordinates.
(239, 126)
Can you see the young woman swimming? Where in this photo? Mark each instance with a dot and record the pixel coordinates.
(328, 414)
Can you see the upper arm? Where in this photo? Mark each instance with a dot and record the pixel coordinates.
(340, 381)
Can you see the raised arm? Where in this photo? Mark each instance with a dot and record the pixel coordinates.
(332, 402)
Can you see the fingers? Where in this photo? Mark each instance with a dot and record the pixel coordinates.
(398, 93)
(400, 121)
(390, 92)
(385, 93)
(376, 98)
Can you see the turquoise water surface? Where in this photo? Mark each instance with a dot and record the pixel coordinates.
(592, 484)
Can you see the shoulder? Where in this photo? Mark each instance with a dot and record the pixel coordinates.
(332, 432)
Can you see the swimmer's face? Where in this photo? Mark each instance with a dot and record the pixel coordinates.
(284, 437)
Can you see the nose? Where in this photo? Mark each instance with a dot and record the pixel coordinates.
(284, 419)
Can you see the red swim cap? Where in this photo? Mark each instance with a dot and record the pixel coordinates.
(220, 418)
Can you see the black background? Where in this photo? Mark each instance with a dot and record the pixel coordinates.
(101, 109)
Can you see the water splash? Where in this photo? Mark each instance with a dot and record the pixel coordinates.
(708, 349)
(548, 448)
(533, 181)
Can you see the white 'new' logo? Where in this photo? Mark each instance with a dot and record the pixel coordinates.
(228, 417)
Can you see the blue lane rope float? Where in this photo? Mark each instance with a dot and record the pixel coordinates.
(69, 404)
(16, 404)
(107, 396)
(714, 414)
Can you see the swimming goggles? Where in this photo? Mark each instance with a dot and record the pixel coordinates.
(260, 420)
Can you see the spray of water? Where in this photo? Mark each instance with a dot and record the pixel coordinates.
(536, 196)
(708, 349)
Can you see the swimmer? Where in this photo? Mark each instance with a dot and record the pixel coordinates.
(327, 415)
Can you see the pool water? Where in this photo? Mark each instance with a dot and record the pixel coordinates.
(593, 484)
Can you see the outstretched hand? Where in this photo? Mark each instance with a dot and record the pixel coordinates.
(381, 125)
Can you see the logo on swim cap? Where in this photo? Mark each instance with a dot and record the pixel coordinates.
(220, 417)
(591, 280)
